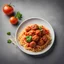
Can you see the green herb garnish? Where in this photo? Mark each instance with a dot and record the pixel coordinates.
(9, 41)
(18, 15)
(28, 38)
(8, 33)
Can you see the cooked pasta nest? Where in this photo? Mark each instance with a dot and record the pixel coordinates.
(34, 38)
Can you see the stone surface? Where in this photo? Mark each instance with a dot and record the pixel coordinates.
(52, 11)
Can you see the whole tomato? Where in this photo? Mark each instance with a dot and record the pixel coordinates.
(8, 9)
(13, 20)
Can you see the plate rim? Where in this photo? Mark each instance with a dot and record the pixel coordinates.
(40, 19)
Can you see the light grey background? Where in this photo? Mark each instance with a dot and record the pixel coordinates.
(52, 11)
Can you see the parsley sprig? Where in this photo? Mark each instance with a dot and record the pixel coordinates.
(18, 15)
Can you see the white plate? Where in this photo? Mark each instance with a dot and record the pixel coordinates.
(39, 21)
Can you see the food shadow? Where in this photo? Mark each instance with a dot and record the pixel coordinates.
(13, 14)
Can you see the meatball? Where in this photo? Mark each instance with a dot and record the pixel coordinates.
(38, 32)
(31, 32)
(45, 31)
(35, 38)
(28, 28)
(34, 27)
(41, 42)
(45, 38)
(33, 44)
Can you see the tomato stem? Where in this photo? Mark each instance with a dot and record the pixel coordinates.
(11, 5)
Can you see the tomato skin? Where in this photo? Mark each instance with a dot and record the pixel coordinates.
(13, 20)
(8, 9)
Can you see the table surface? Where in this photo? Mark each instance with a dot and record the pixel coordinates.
(52, 11)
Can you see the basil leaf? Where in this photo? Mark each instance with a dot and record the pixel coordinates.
(28, 38)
